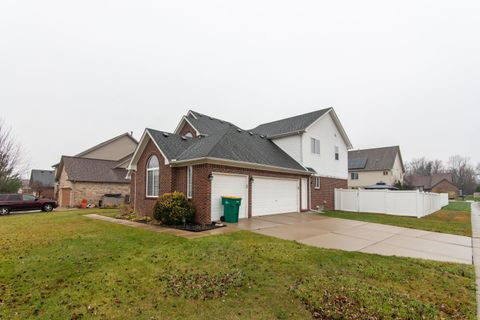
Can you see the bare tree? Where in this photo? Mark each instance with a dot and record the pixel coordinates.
(424, 167)
(10, 161)
(463, 173)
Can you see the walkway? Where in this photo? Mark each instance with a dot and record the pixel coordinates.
(349, 235)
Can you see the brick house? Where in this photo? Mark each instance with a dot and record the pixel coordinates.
(42, 183)
(95, 172)
(289, 165)
(438, 183)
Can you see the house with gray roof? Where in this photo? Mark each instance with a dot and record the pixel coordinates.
(441, 182)
(95, 172)
(42, 183)
(287, 165)
(368, 167)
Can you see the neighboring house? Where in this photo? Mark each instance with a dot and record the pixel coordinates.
(95, 172)
(25, 188)
(368, 167)
(289, 165)
(42, 183)
(438, 183)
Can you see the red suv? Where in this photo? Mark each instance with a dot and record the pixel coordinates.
(24, 202)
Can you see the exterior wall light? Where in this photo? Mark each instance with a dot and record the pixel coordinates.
(210, 176)
(252, 179)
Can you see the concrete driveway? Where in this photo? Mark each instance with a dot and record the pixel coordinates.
(349, 235)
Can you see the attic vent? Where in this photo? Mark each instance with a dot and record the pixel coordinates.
(239, 130)
(210, 118)
(262, 136)
(250, 133)
(183, 138)
(165, 134)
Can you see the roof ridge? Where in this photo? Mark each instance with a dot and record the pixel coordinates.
(91, 159)
(101, 144)
(377, 148)
(295, 116)
(217, 136)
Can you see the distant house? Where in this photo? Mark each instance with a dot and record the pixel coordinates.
(369, 167)
(25, 188)
(438, 183)
(95, 172)
(42, 183)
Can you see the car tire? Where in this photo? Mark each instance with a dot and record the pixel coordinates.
(47, 207)
(4, 210)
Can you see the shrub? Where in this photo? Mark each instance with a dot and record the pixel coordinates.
(173, 209)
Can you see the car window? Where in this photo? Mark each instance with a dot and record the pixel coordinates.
(28, 197)
(3, 197)
(14, 197)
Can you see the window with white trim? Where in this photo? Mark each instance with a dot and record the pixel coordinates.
(317, 182)
(386, 173)
(189, 182)
(315, 145)
(354, 175)
(153, 175)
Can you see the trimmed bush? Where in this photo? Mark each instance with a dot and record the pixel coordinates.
(173, 209)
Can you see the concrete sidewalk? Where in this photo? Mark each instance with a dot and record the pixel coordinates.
(351, 235)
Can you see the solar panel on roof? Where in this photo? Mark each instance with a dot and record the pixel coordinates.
(357, 163)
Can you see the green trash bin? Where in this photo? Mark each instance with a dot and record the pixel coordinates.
(231, 206)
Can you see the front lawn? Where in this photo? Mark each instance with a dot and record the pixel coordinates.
(458, 206)
(64, 266)
(445, 221)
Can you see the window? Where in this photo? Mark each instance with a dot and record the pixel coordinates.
(3, 197)
(14, 197)
(189, 135)
(354, 175)
(189, 182)
(153, 174)
(315, 145)
(337, 153)
(27, 197)
(385, 173)
(317, 182)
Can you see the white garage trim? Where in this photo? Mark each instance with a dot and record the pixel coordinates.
(272, 195)
(228, 184)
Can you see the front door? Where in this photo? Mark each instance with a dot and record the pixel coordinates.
(304, 194)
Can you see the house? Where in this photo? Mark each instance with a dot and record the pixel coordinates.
(368, 167)
(25, 188)
(42, 183)
(289, 165)
(437, 182)
(95, 172)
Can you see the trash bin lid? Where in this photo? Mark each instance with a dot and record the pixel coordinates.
(231, 197)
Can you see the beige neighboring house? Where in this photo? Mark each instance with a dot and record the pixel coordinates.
(368, 167)
(95, 172)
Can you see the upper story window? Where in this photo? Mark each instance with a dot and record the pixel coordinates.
(189, 135)
(354, 175)
(337, 153)
(189, 182)
(385, 173)
(315, 145)
(153, 174)
(317, 182)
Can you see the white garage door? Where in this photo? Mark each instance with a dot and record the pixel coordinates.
(272, 196)
(229, 185)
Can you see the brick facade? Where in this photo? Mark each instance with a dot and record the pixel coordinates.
(325, 196)
(186, 129)
(447, 187)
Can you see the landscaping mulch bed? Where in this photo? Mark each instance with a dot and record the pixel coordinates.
(198, 228)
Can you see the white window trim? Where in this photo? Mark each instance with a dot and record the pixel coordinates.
(189, 182)
(147, 194)
(316, 181)
(352, 175)
(313, 145)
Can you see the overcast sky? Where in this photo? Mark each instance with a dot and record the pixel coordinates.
(75, 73)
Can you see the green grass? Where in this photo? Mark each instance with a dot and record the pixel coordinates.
(65, 266)
(454, 219)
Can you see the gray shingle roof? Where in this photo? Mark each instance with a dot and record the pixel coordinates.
(42, 178)
(229, 144)
(207, 125)
(93, 170)
(428, 182)
(376, 159)
(290, 125)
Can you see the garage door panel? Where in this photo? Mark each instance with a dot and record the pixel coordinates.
(273, 196)
(228, 185)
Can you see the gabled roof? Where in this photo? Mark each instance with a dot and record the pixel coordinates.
(42, 178)
(290, 125)
(172, 145)
(92, 170)
(203, 124)
(375, 159)
(98, 146)
(429, 182)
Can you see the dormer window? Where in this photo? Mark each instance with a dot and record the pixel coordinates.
(315, 145)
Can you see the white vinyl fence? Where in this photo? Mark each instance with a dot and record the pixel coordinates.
(402, 203)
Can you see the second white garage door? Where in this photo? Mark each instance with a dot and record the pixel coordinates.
(272, 196)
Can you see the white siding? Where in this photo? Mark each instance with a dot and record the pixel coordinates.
(324, 163)
(291, 145)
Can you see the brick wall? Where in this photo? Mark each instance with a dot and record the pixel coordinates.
(187, 128)
(326, 194)
(93, 191)
(142, 204)
(446, 187)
